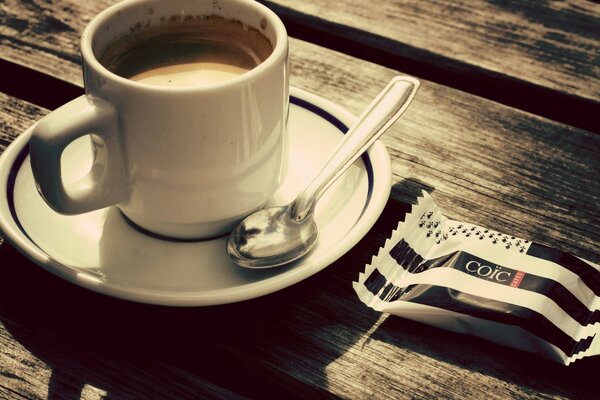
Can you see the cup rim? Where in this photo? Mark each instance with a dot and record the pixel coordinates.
(280, 50)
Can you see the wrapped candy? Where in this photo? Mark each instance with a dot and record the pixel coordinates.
(468, 279)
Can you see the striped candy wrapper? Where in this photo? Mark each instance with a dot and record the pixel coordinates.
(468, 279)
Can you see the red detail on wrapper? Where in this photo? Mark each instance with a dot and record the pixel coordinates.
(517, 279)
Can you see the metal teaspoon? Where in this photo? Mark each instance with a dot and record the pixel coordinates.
(275, 236)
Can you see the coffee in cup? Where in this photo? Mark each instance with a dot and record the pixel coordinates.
(202, 50)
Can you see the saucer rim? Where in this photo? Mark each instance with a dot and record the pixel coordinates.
(378, 166)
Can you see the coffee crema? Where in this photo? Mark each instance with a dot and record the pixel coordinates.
(198, 51)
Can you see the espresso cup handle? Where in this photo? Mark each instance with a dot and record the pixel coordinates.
(105, 184)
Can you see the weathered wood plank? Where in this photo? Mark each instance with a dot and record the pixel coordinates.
(539, 56)
(44, 36)
(485, 163)
(514, 38)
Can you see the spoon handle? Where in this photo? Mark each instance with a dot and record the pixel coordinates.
(383, 111)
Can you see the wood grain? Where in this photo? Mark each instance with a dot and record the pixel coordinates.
(71, 369)
(484, 163)
(539, 56)
(513, 38)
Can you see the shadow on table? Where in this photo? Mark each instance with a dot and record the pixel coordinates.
(528, 372)
(132, 350)
(127, 349)
(87, 341)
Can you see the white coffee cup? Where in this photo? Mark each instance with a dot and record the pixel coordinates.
(183, 162)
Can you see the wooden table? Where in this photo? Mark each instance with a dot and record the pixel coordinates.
(504, 133)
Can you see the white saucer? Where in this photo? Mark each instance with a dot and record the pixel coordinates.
(103, 252)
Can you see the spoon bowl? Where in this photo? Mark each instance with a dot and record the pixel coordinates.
(270, 238)
(276, 236)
